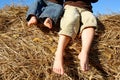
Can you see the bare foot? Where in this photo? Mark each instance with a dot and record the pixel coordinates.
(58, 65)
(32, 21)
(84, 62)
(48, 23)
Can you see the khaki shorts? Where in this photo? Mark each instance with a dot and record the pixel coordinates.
(75, 20)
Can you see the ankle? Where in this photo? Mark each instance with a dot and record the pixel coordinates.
(82, 54)
(48, 23)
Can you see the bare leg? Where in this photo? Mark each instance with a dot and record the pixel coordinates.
(87, 37)
(32, 21)
(48, 23)
(58, 62)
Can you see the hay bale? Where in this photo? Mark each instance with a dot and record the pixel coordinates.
(27, 53)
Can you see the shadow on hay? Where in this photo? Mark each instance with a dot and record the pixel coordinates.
(93, 57)
(56, 27)
(70, 65)
(94, 52)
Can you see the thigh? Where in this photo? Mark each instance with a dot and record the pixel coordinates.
(70, 21)
(88, 20)
(52, 10)
(36, 8)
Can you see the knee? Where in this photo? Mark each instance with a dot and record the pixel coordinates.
(38, 1)
(74, 19)
(55, 5)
